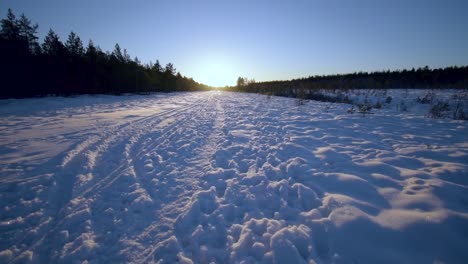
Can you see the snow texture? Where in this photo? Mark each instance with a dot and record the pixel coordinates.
(229, 178)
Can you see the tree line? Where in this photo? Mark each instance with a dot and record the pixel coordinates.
(29, 68)
(421, 78)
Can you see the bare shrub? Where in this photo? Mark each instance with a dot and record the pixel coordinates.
(439, 110)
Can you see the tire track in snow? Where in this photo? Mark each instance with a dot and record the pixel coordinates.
(121, 133)
(125, 163)
(112, 185)
(148, 194)
(86, 158)
(182, 181)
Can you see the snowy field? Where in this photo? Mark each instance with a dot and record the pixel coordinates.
(228, 178)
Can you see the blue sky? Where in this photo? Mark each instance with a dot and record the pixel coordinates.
(216, 41)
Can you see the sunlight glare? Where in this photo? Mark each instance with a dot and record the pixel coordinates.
(215, 74)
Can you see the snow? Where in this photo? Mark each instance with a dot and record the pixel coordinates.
(230, 178)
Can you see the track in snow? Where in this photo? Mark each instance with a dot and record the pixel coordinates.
(120, 186)
(226, 178)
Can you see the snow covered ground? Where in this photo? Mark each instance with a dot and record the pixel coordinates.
(228, 178)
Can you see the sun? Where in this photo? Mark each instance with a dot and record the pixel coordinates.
(214, 72)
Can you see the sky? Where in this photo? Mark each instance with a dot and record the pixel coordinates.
(216, 41)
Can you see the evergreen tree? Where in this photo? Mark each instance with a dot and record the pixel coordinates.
(126, 56)
(10, 29)
(157, 67)
(91, 50)
(240, 82)
(117, 53)
(170, 69)
(74, 45)
(27, 33)
(52, 45)
(137, 61)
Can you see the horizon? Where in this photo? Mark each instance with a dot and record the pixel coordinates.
(215, 43)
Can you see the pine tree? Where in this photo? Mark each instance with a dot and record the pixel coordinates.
(10, 29)
(117, 53)
(126, 56)
(91, 50)
(74, 45)
(27, 33)
(240, 82)
(157, 67)
(170, 69)
(52, 45)
(137, 61)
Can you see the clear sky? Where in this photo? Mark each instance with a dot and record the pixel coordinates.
(215, 41)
